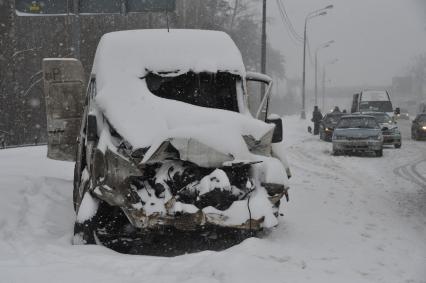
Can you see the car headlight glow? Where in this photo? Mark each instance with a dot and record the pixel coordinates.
(328, 129)
(424, 127)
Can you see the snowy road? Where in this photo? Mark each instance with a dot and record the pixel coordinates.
(350, 219)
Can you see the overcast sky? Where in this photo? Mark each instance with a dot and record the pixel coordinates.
(375, 39)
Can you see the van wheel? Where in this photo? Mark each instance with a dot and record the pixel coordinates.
(86, 221)
(398, 145)
(379, 153)
(99, 222)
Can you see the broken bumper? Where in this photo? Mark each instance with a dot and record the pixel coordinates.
(253, 213)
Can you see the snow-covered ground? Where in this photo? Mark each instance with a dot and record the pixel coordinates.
(350, 219)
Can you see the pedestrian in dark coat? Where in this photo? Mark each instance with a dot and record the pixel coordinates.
(316, 118)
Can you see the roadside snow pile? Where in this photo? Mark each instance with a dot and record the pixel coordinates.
(350, 219)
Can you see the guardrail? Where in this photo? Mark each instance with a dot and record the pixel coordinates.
(22, 145)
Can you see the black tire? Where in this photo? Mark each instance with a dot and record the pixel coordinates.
(79, 167)
(84, 233)
(108, 221)
(76, 185)
(336, 152)
(398, 145)
(79, 187)
(379, 153)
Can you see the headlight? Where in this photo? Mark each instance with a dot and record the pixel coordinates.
(424, 127)
(328, 129)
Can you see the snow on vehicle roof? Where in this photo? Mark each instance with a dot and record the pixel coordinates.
(135, 52)
(374, 95)
(143, 118)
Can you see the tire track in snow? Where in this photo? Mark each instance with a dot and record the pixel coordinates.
(409, 172)
(416, 172)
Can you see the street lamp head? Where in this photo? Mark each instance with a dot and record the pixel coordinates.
(322, 13)
(329, 7)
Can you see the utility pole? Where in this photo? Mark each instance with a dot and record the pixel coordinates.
(324, 45)
(263, 59)
(316, 13)
(76, 33)
(334, 61)
(323, 89)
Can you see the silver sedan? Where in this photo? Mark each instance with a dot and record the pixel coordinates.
(357, 133)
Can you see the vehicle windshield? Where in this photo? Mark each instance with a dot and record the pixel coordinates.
(381, 117)
(421, 118)
(374, 95)
(332, 118)
(201, 89)
(379, 106)
(358, 122)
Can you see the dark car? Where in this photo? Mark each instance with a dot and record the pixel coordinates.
(418, 127)
(328, 123)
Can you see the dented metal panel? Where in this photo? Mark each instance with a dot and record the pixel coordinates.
(64, 95)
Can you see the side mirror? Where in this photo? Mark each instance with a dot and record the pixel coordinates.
(278, 131)
(92, 128)
(397, 111)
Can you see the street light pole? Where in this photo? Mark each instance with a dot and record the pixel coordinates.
(76, 32)
(303, 114)
(320, 12)
(323, 80)
(263, 59)
(322, 46)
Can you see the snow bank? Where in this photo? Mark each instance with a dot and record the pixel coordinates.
(350, 219)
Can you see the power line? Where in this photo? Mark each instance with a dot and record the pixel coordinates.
(294, 36)
(293, 30)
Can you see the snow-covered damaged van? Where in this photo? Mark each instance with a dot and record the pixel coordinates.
(163, 139)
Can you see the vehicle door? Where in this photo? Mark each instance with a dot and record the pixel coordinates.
(64, 94)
